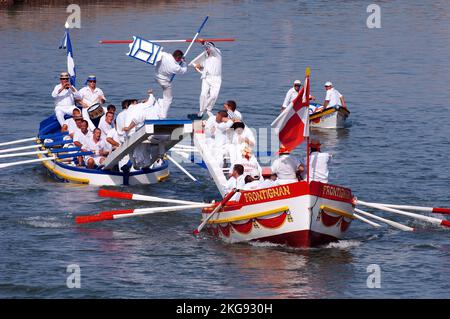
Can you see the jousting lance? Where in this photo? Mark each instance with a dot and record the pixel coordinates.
(170, 41)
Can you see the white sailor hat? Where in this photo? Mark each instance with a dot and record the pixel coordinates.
(328, 83)
(64, 75)
(297, 82)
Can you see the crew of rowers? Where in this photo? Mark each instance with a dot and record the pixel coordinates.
(333, 97)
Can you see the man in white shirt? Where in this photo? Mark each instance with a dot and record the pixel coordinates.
(291, 94)
(72, 125)
(90, 95)
(164, 70)
(81, 139)
(230, 106)
(286, 168)
(98, 146)
(249, 162)
(108, 123)
(241, 137)
(64, 95)
(236, 180)
(113, 139)
(150, 109)
(120, 120)
(333, 97)
(211, 71)
(318, 163)
(215, 128)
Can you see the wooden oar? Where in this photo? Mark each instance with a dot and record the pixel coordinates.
(116, 214)
(437, 210)
(386, 221)
(27, 161)
(181, 168)
(169, 41)
(218, 207)
(130, 196)
(432, 220)
(22, 154)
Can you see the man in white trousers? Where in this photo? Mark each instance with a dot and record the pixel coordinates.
(64, 95)
(211, 71)
(169, 65)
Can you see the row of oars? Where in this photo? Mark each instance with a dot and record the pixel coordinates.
(53, 148)
(400, 210)
(125, 213)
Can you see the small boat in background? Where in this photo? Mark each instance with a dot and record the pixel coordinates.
(330, 117)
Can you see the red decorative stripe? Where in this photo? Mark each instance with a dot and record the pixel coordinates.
(225, 230)
(329, 220)
(244, 228)
(274, 222)
(345, 225)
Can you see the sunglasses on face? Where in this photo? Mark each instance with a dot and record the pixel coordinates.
(91, 81)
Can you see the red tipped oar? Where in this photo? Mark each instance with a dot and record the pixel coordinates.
(124, 213)
(169, 41)
(432, 220)
(218, 207)
(437, 210)
(130, 196)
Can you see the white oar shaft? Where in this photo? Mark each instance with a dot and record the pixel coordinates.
(185, 146)
(147, 211)
(181, 153)
(27, 161)
(19, 148)
(428, 219)
(417, 208)
(19, 141)
(181, 168)
(163, 200)
(384, 220)
(22, 154)
(365, 220)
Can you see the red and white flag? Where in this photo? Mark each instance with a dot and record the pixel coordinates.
(293, 122)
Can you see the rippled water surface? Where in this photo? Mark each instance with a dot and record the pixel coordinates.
(396, 83)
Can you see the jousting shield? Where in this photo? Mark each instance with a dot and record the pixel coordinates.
(145, 51)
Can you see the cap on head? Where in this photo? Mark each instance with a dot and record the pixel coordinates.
(64, 76)
(328, 83)
(297, 82)
(91, 77)
(266, 171)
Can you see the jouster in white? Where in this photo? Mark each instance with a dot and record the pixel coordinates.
(211, 71)
(64, 95)
(165, 69)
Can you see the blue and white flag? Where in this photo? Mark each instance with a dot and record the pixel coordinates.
(66, 44)
(145, 51)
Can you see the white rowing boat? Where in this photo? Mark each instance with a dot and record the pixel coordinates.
(333, 117)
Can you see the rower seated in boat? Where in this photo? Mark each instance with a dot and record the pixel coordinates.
(72, 125)
(236, 180)
(318, 163)
(286, 167)
(241, 137)
(97, 145)
(269, 179)
(249, 162)
(333, 97)
(81, 139)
